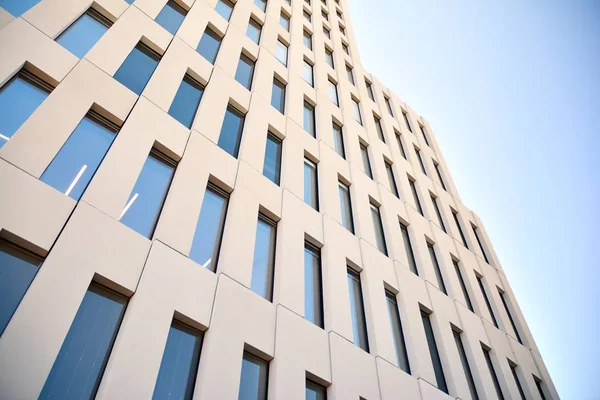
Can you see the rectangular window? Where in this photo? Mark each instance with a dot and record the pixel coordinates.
(480, 243)
(465, 364)
(308, 73)
(313, 286)
(245, 71)
(309, 119)
(18, 7)
(538, 384)
(329, 58)
(391, 180)
(413, 189)
(397, 332)
(463, 287)
(254, 30)
(346, 207)
(400, 146)
(172, 15)
(284, 21)
(281, 52)
(338, 140)
(509, 314)
(438, 213)
(378, 229)
(357, 310)
(345, 47)
(18, 267)
(278, 95)
(356, 111)
(379, 128)
(84, 33)
(350, 74)
(261, 4)
(364, 154)
(462, 235)
(209, 228)
(410, 255)
(272, 165)
(424, 135)
(342, 30)
(138, 67)
(311, 191)
(254, 379)
(179, 365)
(327, 32)
(333, 93)
(488, 361)
(418, 153)
(263, 267)
(314, 391)
(209, 45)
(186, 101)
(370, 90)
(439, 175)
(388, 103)
(436, 268)
(79, 366)
(325, 15)
(406, 120)
(434, 353)
(513, 370)
(308, 17)
(487, 300)
(224, 9)
(148, 195)
(231, 131)
(307, 38)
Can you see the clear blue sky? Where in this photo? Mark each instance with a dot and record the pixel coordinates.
(512, 91)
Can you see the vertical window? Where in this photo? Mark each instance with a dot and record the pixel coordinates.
(424, 135)
(262, 4)
(146, 200)
(480, 243)
(345, 47)
(439, 175)
(413, 189)
(254, 380)
(231, 131)
(400, 146)
(284, 21)
(314, 391)
(245, 71)
(434, 353)
(418, 153)
(462, 235)
(263, 267)
(378, 229)
(357, 310)
(253, 31)
(346, 207)
(309, 119)
(510, 318)
(172, 15)
(179, 365)
(74, 166)
(513, 370)
(364, 154)
(138, 67)
(370, 90)
(278, 95)
(388, 103)
(327, 32)
(356, 111)
(186, 101)
(333, 94)
(325, 15)
(272, 166)
(465, 364)
(463, 287)
(436, 268)
(488, 361)
(18, 267)
(438, 213)
(209, 45)
(379, 128)
(224, 8)
(406, 120)
(410, 255)
(308, 74)
(78, 368)
(538, 384)
(350, 74)
(281, 52)
(487, 300)
(83, 34)
(311, 191)
(19, 98)
(338, 140)
(209, 228)
(397, 332)
(18, 7)
(329, 58)
(391, 180)
(308, 16)
(313, 286)
(307, 38)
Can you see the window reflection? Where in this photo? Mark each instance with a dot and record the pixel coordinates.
(83, 34)
(138, 67)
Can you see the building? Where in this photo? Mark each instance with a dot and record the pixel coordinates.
(214, 199)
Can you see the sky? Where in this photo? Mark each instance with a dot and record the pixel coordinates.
(511, 89)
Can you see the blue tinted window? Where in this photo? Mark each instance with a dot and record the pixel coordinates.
(262, 4)
(253, 31)
(209, 229)
(245, 71)
(19, 98)
(309, 119)
(264, 258)
(171, 17)
(313, 288)
(254, 378)
(83, 34)
(79, 366)
(357, 311)
(138, 67)
(224, 8)
(77, 161)
(315, 391)
(346, 207)
(209, 45)
(278, 96)
(148, 195)
(231, 131)
(272, 166)
(281, 52)
(17, 270)
(18, 7)
(179, 365)
(311, 192)
(186, 101)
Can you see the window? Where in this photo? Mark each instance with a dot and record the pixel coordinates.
(18, 267)
(438, 213)
(18, 7)
(245, 71)
(356, 111)
(357, 310)
(209, 45)
(179, 365)
(308, 16)
(350, 74)
(284, 21)
(262, 4)
(434, 353)
(406, 120)
(346, 48)
(400, 146)
(364, 155)
(513, 370)
(342, 29)
(231, 131)
(465, 364)
(463, 287)
(308, 73)
(370, 90)
(78, 368)
(329, 58)
(224, 8)
(388, 103)
(307, 38)
(439, 175)
(272, 166)
(255, 378)
(311, 191)
(413, 189)
(480, 243)
(19, 98)
(148, 194)
(325, 15)
(253, 31)
(278, 95)
(346, 207)
(410, 255)
(538, 384)
(423, 132)
(333, 94)
(509, 314)
(264, 258)
(462, 235)
(309, 119)
(488, 361)
(186, 101)
(282, 52)
(74, 166)
(487, 300)
(418, 153)
(338, 140)
(83, 34)
(379, 128)
(378, 229)
(138, 67)
(172, 15)
(327, 32)
(397, 332)
(436, 269)
(209, 228)
(314, 391)
(391, 180)
(313, 287)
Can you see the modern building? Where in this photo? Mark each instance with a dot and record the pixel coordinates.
(213, 199)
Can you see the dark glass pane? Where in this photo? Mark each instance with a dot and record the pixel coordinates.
(171, 17)
(83, 34)
(364, 153)
(391, 180)
(424, 134)
(357, 310)
(245, 71)
(138, 67)
(412, 263)
(538, 384)
(463, 287)
(400, 147)
(435, 355)
(313, 289)
(253, 31)
(209, 45)
(438, 213)
(462, 235)
(333, 94)
(488, 361)
(512, 321)
(476, 232)
(407, 121)
(346, 207)
(18, 7)
(264, 258)
(309, 119)
(513, 369)
(311, 193)
(378, 228)
(338, 141)
(388, 103)
(413, 189)
(465, 364)
(315, 391)
(436, 268)
(209, 229)
(487, 301)
(379, 129)
(278, 96)
(254, 379)
(439, 174)
(272, 166)
(231, 131)
(418, 152)
(356, 112)
(186, 101)
(397, 332)
(224, 8)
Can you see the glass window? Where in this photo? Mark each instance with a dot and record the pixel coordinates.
(487, 300)
(308, 16)
(74, 166)
(284, 21)
(209, 228)
(171, 17)
(410, 255)
(439, 175)
(438, 213)
(400, 146)
(463, 287)
(224, 8)
(314, 391)
(423, 132)
(356, 111)
(346, 207)
(313, 287)
(513, 369)
(245, 71)
(255, 378)
(262, 4)
(480, 243)
(379, 128)
(209, 45)
(231, 131)
(388, 103)
(179, 365)
(436, 269)
(406, 120)
(278, 95)
(378, 229)
(397, 332)
(510, 317)
(307, 40)
(80, 363)
(462, 235)
(413, 189)
(345, 47)
(308, 74)
(19, 98)
(350, 74)
(434, 353)
(465, 365)
(370, 90)
(333, 94)
(253, 31)
(338, 140)
(391, 180)
(264, 258)
(83, 34)
(325, 15)
(329, 58)
(272, 165)
(418, 153)
(186, 101)
(488, 361)
(357, 310)
(18, 7)
(327, 32)
(138, 67)
(364, 154)
(282, 52)
(311, 190)
(309, 119)
(342, 30)
(538, 384)
(17, 269)
(146, 200)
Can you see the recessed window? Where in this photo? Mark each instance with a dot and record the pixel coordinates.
(513, 370)
(245, 71)
(309, 119)
(364, 155)
(254, 30)
(350, 74)
(410, 255)
(397, 332)
(263, 265)
(436, 268)
(413, 189)
(418, 153)
(282, 52)
(357, 310)
(224, 8)
(439, 175)
(325, 15)
(379, 128)
(18, 7)
(356, 111)
(84, 33)
(254, 379)
(538, 384)
(313, 286)
(333, 93)
(406, 120)
(171, 17)
(434, 353)
(307, 15)
(261, 4)
(311, 188)
(460, 231)
(370, 90)
(209, 45)
(338, 140)
(342, 29)
(480, 243)
(391, 179)
(231, 131)
(388, 103)
(329, 58)
(465, 364)
(272, 164)
(400, 146)
(327, 32)
(463, 286)
(378, 229)
(346, 48)
(438, 213)
(278, 95)
(186, 101)
(308, 73)
(138, 67)
(487, 300)
(346, 207)
(424, 133)
(509, 314)
(314, 391)
(284, 21)
(490, 365)
(307, 39)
